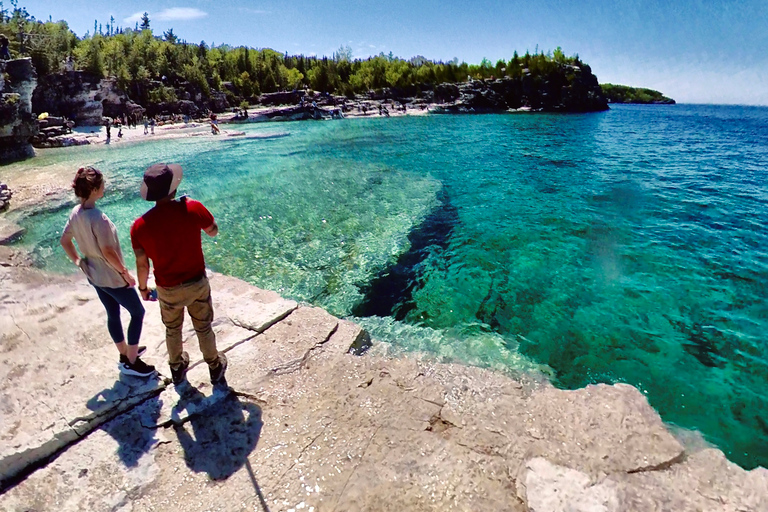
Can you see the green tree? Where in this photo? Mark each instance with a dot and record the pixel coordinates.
(344, 53)
(144, 21)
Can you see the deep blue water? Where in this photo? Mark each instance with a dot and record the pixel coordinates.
(624, 246)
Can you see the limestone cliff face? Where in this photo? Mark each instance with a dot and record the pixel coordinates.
(17, 123)
(82, 97)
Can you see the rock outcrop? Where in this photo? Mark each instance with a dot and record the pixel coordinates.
(570, 89)
(310, 426)
(5, 196)
(17, 123)
(81, 97)
(86, 98)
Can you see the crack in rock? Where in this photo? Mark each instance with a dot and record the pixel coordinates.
(362, 458)
(307, 447)
(297, 364)
(16, 467)
(269, 323)
(662, 466)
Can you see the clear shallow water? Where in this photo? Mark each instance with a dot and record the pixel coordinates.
(626, 246)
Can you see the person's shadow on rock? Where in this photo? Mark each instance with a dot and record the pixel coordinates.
(134, 431)
(220, 434)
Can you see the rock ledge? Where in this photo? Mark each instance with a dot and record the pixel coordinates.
(310, 426)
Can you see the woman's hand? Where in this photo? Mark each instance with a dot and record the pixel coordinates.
(128, 278)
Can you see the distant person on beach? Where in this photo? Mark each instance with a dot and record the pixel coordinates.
(214, 125)
(109, 130)
(169, 236)
(146, 125)
(5, 53)
(103, 265)
(152, 123)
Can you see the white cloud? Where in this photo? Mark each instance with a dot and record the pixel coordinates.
(134, 18)
(172, 14)
(180, 14)
(253, 11)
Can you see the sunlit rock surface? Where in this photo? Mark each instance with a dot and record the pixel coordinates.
(17, 123)
(309, 426)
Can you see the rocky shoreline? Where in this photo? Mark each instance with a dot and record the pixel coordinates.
(17, 123)
(76, 98)
(316, 422)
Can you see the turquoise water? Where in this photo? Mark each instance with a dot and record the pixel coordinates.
(625, 246)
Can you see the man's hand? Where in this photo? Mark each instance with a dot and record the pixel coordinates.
(146, 295)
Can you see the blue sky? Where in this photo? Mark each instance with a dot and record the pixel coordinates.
(695, 51)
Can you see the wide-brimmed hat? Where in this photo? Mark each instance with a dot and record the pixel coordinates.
(161, 180)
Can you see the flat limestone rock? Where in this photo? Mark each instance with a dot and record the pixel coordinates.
(310, 426)
(349, 337)
(103, 472)
(547, 487)
(247, 306)
(10, 232)
(601, 429)
(50, 398)
(704, 481)
(10, 257)
(284, 348)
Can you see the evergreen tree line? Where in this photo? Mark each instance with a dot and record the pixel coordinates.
(624, 94)
(136, 58)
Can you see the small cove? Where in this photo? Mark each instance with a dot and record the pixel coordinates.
(626, 246)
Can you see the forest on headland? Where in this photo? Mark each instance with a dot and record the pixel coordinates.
(154, 69)
(136, 54)
(624, 94)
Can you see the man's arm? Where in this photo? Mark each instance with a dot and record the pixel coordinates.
(212, 230)
(142, 271)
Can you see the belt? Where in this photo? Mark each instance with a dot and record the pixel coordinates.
(195, 279)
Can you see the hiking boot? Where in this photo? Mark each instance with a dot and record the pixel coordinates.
(179, 375)
(138, 368)
(142, 349)
(217, 372)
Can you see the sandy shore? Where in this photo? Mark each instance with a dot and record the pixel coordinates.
(33, 183)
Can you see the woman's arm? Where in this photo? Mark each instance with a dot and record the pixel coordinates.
(114, 258)
(69, 248)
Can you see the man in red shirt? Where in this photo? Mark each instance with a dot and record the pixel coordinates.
(169, 236)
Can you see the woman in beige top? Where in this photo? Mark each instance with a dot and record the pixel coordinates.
(102, 262)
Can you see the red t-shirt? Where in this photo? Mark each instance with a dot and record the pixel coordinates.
(169, 234)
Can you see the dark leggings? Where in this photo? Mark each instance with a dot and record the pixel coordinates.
(113, 298)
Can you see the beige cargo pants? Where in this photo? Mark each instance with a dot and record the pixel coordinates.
(196, 297)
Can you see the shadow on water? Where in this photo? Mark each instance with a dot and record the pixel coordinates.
(134, 431)
(219, 437)
(391, 292)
